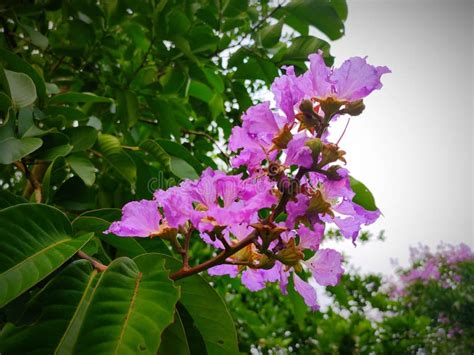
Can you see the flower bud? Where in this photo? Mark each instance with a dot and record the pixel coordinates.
(266, 263)
(316, 145)
(331, 153)
(291, 255)
(318, 205)
(306, 106)
(268, 233)
(354, 108)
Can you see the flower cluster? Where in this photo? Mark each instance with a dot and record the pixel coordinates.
(268, 221)
(427, 266)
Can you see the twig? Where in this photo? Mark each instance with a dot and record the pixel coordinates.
(95, 263)
(187, 238)
(217, 260)
(212, 139)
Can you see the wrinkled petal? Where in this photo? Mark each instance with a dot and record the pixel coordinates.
(287, 93)
(139, 219)
(326, 267)
(219, 270)
(298, 153)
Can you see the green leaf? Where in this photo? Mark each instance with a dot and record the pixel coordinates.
(22, 88)
(8, 199)
(341, 8)
(33, 247)
(301, 47)
(81, 138)
(69, 113)
(214, 79)
(17, 64)
(74, 195)
(200, 91)
(38, 39)
(127, 108)
(182, 169)
(363, 197)
(83, 167)
(13, 149)
(173, 339)
(157, 152)
(54, 176)
(207, 310)
(122, 310)
(318, 13)
(257, 69)
(113, 153)
(270, 35)
(300, 309)
(78, 97)
(178, 150)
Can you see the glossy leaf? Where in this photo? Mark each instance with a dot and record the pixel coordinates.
(208, 312)
(78, 97)
(363, 196)
(83, 167)
(122, 310)
(31, 248)
(113, 153)
(181, 169)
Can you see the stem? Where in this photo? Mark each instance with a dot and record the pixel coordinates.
(187, 238)
(218, 259)
(212, 139)
(343, 132)
(95, 263)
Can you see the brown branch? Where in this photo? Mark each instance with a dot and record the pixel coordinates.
(33, 184)
(95, 263)
(217, 260)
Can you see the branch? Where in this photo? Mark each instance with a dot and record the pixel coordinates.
(212, 139)
(32, 180)
(95, 263)
(217, 260)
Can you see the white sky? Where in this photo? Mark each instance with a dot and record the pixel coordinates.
(413, 145)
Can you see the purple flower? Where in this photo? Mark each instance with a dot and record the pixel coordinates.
(287, 94)
(326, 267)
(139, 219)
(298, 153)
(216, 199)
(354, 80)
(259, 126)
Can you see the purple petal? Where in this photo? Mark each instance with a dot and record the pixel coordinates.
(307, 292)
(219, 270)
(326, 266)
(139, 219)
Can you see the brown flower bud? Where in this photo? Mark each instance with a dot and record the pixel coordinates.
(318, 205)
(291, 255)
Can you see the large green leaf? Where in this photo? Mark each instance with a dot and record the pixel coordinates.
(300, 48)
(8, 199)
(207, 311)
(173, 339)
(122, 310)
(113, 153)
(34, 241)
(22, 88)
(363, 197)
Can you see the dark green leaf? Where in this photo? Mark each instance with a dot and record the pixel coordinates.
(113, 153)
(31, 248)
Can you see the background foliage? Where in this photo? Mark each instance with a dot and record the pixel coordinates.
(102, 103)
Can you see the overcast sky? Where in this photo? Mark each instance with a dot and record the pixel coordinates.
(413, 146)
